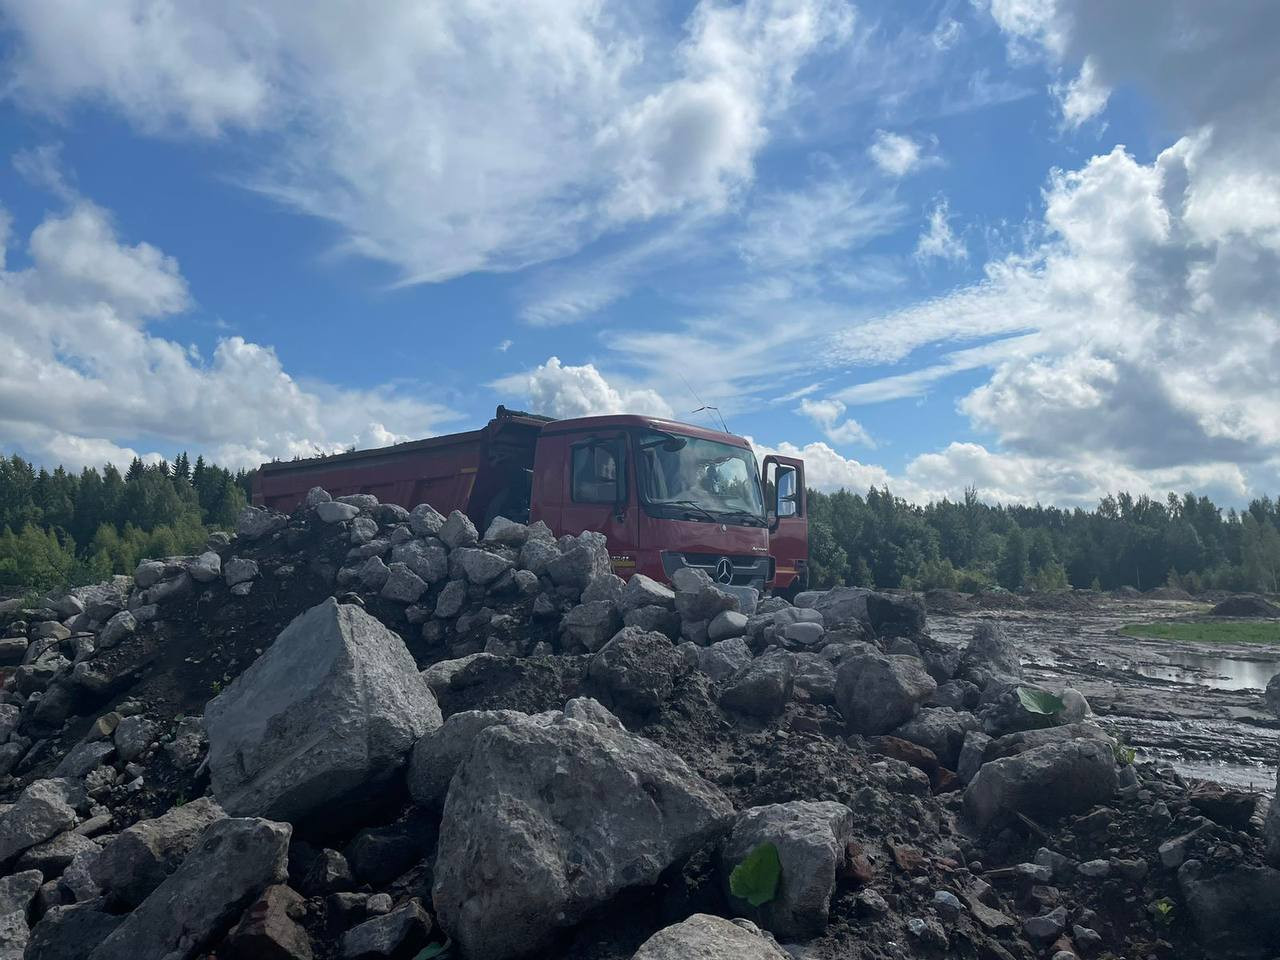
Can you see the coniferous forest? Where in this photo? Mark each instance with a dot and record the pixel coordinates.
(59, 527)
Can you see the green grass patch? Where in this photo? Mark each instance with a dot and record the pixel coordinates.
(1230, 631)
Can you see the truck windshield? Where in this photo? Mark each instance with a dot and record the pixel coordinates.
(712, 480)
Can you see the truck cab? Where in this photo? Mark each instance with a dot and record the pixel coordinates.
(665, 494)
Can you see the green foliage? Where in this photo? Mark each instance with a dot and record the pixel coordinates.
(1125, 755)
(431, 951)
(755, 879)
(60, 529)
(1040, 702)
(1162, 911)
(1228, 631)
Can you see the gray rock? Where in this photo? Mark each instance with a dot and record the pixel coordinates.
(335, 512)
(654, 617)
(876, 694)
(205, 568)
(9, 717)
(373, 574)
(837, 605)
(18, 890)
(941, 730)
(139, 858)
(481, 566)
(706, 937)
(42, 810)
(590, 624)
(49, 630)
(956, 694)
(972, 754)
(804, 634)
(762, 688)
(425, 521)
(725, 625)
(402, 585)
(14, 933)
(457, 531)
(506, 532)
(254, 523)
(642, 591)
(334, 704)
(537, 555)
(148, 573)
(1047, 926)
(427, 558)
(133, 736)
(363, 530)
(234, 861)
(121, 625)
(816, 676)
(724, 659)
(1014, 743)
(636, 670)
(240, 570)
(1236, 910)
(451, 600)
(316, 496)
(82, 758)
(64, 932)
(604, 586)
(437, 755)
(698, 597)
(364, 502)
(77, 879)
(581, 559)
(1049, 781)
(527, 847)
(990, 654)
(810, 838)
(590, 710)
(394, 934)
(53, 856)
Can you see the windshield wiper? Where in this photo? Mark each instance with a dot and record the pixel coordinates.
(690, 503)
(756, 519)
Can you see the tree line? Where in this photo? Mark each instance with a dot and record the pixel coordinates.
(59, 527)
(1184, 541)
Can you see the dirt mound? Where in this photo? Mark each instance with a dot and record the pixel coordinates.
(1246, 605)
(1169, 593)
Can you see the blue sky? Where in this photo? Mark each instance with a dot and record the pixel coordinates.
(1025, 245)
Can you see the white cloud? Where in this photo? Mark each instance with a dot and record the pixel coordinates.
(937, 241)
(897, 154)
(563, 391)
(445, 138)
(826, 470)
(828, 414)
(504, 345)
(1084, 97)
(42, 167)
(85, 379)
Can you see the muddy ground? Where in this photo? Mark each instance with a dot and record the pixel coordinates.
(1196, 706)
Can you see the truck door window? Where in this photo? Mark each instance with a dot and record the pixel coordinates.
(595, 473)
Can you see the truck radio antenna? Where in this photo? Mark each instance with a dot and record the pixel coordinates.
(704, 406)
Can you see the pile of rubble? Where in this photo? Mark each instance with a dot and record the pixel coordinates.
(365, 732)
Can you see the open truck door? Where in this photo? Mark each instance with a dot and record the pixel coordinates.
(785, 503)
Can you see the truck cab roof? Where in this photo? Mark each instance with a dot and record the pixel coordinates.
(619, 421)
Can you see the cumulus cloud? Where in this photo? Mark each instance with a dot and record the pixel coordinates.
(445, 138)
(897, 154)
(563, 391)
(938, 242)
(829, 415)
(827, 470)
(85, 379)
(1084, 97)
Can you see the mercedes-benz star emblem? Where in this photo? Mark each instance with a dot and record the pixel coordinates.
(724, 570)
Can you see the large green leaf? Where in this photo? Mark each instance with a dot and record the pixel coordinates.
(1040, 701)
(755, 879)
(434, 950)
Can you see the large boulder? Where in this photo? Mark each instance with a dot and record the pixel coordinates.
(811, 839)
(642, 591)
(705, 937)
(990, 655)
(546, 821)
(762, 688)
(43, 810)
(590, 625)
(138, 859)
(232, 864)
(254, 523)
(877, 693)
(1014, 743)
(334, 704)
(636, 670)
(940, 729)
(1236, 910)
(837, 605)
(581, 560)
(1271, 696)
(65, 932)
(1271, 827)
(457, 530)
(437, 755)
(1046, 781)
(427, 558)
(895, 614)
(698, 597)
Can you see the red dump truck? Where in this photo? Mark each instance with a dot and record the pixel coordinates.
(665, 494)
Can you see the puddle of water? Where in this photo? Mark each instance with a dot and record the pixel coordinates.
(1217, 673)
